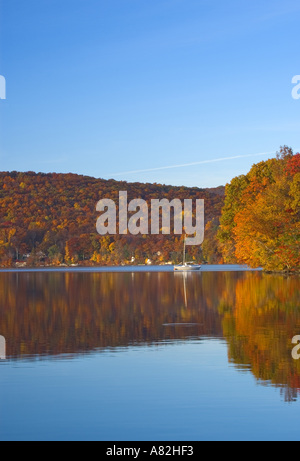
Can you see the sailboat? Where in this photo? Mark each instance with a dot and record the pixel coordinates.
(186, 266)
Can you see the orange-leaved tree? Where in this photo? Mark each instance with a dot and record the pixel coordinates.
(263, 228)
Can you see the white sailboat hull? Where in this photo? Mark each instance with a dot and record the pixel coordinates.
(187, 267)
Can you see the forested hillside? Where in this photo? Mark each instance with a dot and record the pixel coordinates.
(51, 219)
(260, 223)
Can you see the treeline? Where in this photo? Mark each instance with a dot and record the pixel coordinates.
(254, 220)
(51, 219)
(260, 222)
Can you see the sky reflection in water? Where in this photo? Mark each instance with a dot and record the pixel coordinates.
(149, 355)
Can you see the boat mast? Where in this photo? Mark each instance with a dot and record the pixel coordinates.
(184, 251)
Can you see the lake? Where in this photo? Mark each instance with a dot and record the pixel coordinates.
(145, 353)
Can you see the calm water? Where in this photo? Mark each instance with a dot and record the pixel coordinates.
(149, 354)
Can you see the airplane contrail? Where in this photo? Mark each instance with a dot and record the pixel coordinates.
(221, 159)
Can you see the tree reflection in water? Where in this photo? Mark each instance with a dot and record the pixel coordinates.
(51, 313)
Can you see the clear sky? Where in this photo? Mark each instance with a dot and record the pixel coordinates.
(111, 88)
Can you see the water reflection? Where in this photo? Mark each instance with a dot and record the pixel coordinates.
(51, 313)
(260, 316)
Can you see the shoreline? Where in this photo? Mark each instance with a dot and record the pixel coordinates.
(131, 268)
(143, 268)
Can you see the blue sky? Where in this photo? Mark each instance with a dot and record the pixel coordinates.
(110, 88)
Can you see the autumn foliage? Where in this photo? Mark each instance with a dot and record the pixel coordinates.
(260, 223)
(51, 219)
